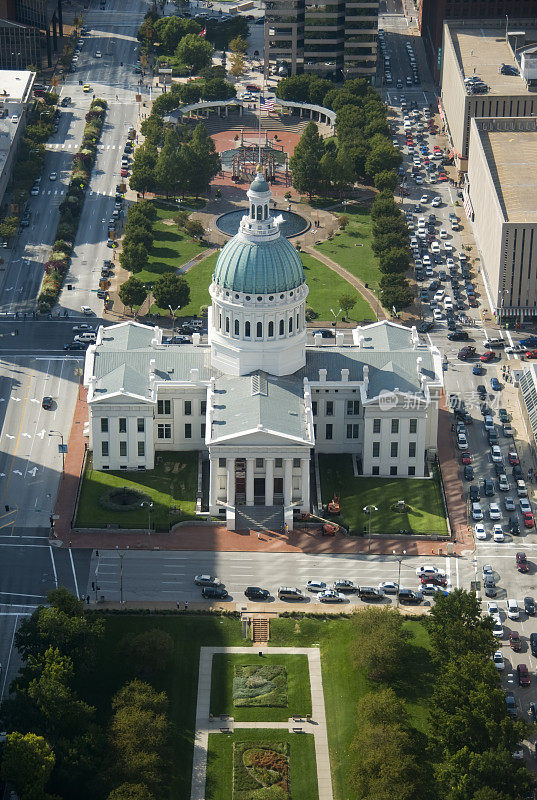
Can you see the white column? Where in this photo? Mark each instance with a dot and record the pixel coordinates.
(249, 481)
(269, 481)
(230, 481)
(212, 481)
(305, 465)
(287, 481)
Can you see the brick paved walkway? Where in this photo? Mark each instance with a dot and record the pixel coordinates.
(66, 501)
(455, 497)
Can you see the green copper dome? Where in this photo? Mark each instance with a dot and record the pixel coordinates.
(259, 268)
(259, 184)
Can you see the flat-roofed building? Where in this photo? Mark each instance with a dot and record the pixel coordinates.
(475, 50)
(501, 198)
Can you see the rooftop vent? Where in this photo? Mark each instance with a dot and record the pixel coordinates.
(259, 384)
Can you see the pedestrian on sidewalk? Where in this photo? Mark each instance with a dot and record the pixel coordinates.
(186, 605)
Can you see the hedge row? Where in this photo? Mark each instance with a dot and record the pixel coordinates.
(59, 260)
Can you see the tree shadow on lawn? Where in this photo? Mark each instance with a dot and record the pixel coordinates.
(167, 234)
(416, 678)
(160, 267)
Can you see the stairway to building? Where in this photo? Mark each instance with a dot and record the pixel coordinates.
(260, 630)
(266, 519)
(250, 122)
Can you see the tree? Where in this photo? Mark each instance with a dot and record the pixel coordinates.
(472, 776)
(142, 177)
(398, 295)
(237, 65)
(395, 260)
(387, 180)
(132, 292)
(342, 221)
(181, 218)
(169, 168)
(346, 303)
(134, 256)
(148, 654)
(382, 156)
(194, 229)
(306, 161)
(384, 206)
(201, 159)
(382, 655)
(194, 51)
(238, 45)
(27, 763)
(137, 233)
(131, 791)
(387, 241)
(457, 627)
(171, 290)
(217, 89)
(318, 88)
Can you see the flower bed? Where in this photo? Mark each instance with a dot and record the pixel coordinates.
(260, 685)
(260, 771)
(58, 263)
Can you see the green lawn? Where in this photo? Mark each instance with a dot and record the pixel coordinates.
(343, 686)
(351, 248)
(298, 687)
(325, 288)
(171, 249)
(303, 770)
(422, 495)
(173, 482)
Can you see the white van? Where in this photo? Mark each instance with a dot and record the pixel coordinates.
(521, 489)
(87, 338)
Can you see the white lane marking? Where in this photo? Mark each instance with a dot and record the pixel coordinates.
(53, 564)
(74, 573)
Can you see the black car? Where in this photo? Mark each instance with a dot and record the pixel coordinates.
(517, 472)
(326, 333)
(46, 403)
(529, 606)
(514, 527)
(468, 472)
(488, 487)
(458, 336)
(499, 468)
(65, 102)
(410, 596)
(475, 494)
(425, 327)
(75, 346)
(493, 437)
(256, 593)
(214, 592)
(510, 702)
(533, 644)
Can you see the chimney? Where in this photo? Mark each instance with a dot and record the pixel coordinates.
(366, 378)
(152, 365)
(317, 340)
(196, 339)
(419, 362)
(322, 375)
(345, 375)
(194, 375)
(360, 340)
(154, 342)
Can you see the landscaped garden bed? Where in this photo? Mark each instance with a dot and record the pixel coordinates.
(260, 766)
(259, 685)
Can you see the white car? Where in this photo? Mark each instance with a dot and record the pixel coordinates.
(413, 241)
(439, 295)
(98, 54)
(429, 570)
(388, 587)
(429, 271)
(498, 628)
(435, 247)
(424, 199)
(512, 609)
(443, 233)
(450, 263)
(477, 512)
(436, 201)
(426, 259)
(492, 609)
(479, 531)
(330, 596)
(495, 511)
(448, 247)
(462, 441)
(524, 504)
(448, 302)
(53, 176)
(497, 533)
(503, 483)
(498, 660)
(316, 586)
(496, 453)
(487, 569)
(35, 191)
(437, 314)
(418, 180)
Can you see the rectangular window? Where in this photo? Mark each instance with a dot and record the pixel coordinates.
(188, 431)
(296, 463)
(164, 407)
(376, 449)
(164, 431)
(202, 430)
(123, 449)
(376, 426)
(413, 425)
(394, 447)
(352, 431)
(375, 470)
(328, 432)
(259, 463)
(278, 463)
(412, 449)
(123, 425)
(104, 449)
(314, 431)
(353, 408)
(104, 424)
(188, 408)
(395, 426)
(141, 424)
(411, 471)
(314, 408)
(393, 470)
(329, 408)
(141, 448)
(203, 407)
(221, 462)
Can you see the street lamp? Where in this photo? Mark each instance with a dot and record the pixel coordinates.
(399, 559)
(335, 318)
(369, 510)
(121, 557)
(477, 595)
(172, 312)
(149, 510)
(58, 433)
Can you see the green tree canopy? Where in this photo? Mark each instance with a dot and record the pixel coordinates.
(306, 161)
(134, 256)
(27, 763)
(387, 180)
(382, 654)
(142, 177)
(239, 45)
(347, 303)
(472, 776)
(194, 51)
(396, 260)
(457, 627)
(171, 290)
(132, 292)
(194, 229)
(398, 295)
(131, 791)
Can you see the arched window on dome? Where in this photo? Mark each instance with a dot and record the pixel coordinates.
(290, 324)
(227, 324)
(259, 212)
(271, 329)
(282, 328)
(259, 330)
(252, 211)
(298, 322)
(236, 327)
(247, 329)
(220, 322)
(265, 211)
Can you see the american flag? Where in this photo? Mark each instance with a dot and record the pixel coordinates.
(203, 32)
(266, 103)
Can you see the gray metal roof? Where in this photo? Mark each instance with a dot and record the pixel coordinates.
(247, 402)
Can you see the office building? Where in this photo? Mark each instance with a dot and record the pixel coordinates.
(256, 400)
(501, 200)
(473, 84)
(29, 31)
(15, 97)
(332, 38)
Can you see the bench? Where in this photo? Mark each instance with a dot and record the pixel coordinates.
(297, 730)
(225, 730)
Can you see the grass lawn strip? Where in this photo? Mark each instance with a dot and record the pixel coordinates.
(255, 685)
(423, 496)
(302, 764)
(173, 483)
(351, 248)
(257, 765)
(291, 696)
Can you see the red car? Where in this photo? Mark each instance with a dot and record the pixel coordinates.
(515, 642)
(529, 521)
(438, 580)
(531, 354)
(522, 562)
(487, 356)
(513, 458)
(443, 178)
(466, 458)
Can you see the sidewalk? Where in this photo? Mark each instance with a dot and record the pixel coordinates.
(68, 488)
(455, 497)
